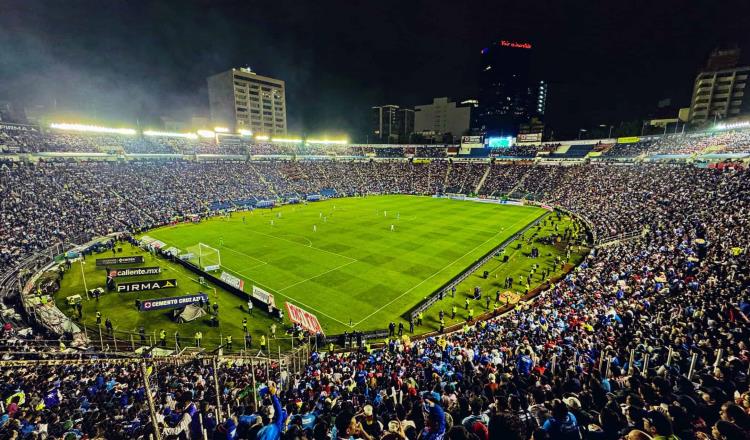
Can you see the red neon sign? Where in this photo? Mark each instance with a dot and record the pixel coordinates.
(506, 43)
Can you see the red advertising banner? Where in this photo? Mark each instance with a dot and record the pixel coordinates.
(305, 319)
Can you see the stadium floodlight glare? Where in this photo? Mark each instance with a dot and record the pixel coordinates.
(221, 129)
(91, 128)
(244, 132)
(287, 140)
(327, 141)
(732, 126)
(206, 133)
(170, 134)
(261, 137)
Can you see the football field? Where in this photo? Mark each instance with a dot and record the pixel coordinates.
(356, 263)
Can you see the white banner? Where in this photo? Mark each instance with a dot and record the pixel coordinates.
(263, 296)
(233, 281)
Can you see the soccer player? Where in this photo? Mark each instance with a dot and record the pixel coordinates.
(315, 228)
(393, 228)
(221, 241)
(271, 222)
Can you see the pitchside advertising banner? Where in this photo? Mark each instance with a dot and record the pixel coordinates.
(138, 271)
(263, 296)
(170, 303)
(140, 286)
(233, 281)
(305, 319)
(119, 260)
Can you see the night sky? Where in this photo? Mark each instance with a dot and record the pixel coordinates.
(110, 60)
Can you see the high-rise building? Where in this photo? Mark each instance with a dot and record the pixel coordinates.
(240, 99)
(384, 126)
(443, 116)
(405, 122)
(719, 89)
(509, 94)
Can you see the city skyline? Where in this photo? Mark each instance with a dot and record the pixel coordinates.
(141, 60)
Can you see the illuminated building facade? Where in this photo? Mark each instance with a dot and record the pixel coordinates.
(509, 94)
(240, 99)
(719, 89)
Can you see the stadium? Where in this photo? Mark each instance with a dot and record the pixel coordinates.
(490, 266)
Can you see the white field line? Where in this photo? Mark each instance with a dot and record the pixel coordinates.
(243, 254)
(300, 244)
(436, 273)
(318, 275)
(307, 306)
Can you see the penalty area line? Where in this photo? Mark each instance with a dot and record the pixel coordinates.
(289, 297)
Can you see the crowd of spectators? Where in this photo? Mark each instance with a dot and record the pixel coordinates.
(647, 339)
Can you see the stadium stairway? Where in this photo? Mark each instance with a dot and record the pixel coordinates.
(481, 181)
(268, 184)
(520, 182)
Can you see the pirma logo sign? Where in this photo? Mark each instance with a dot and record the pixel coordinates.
(146, 285)
(119, 260)
(138, 271)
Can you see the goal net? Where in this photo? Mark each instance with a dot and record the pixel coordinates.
(205, 257)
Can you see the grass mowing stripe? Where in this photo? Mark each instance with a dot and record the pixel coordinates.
(288, 297)
(387, 271)
(299, 244)
(439, 271)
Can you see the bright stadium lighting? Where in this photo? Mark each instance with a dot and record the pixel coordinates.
(327, 141)
(221, 129)
(287, 140)
(206, 133)
(732, 126)
(261, 137)
(170, 134)
(91, 128)
(244, 132)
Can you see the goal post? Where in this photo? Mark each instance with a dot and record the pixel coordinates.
(206, 257)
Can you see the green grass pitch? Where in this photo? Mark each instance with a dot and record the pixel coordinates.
(353, 267)
(339, 258)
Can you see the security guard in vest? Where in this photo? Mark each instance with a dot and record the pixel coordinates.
(453, 312)
(163, 338)
(244, 325)
(419, 318)
(229, 342)
(263, 343)
(198, 337)
(98, 318)
(471, 314)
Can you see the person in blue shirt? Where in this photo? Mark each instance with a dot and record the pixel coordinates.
(563, 424)
(435, 421)
(276, 419)
(525, 363)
